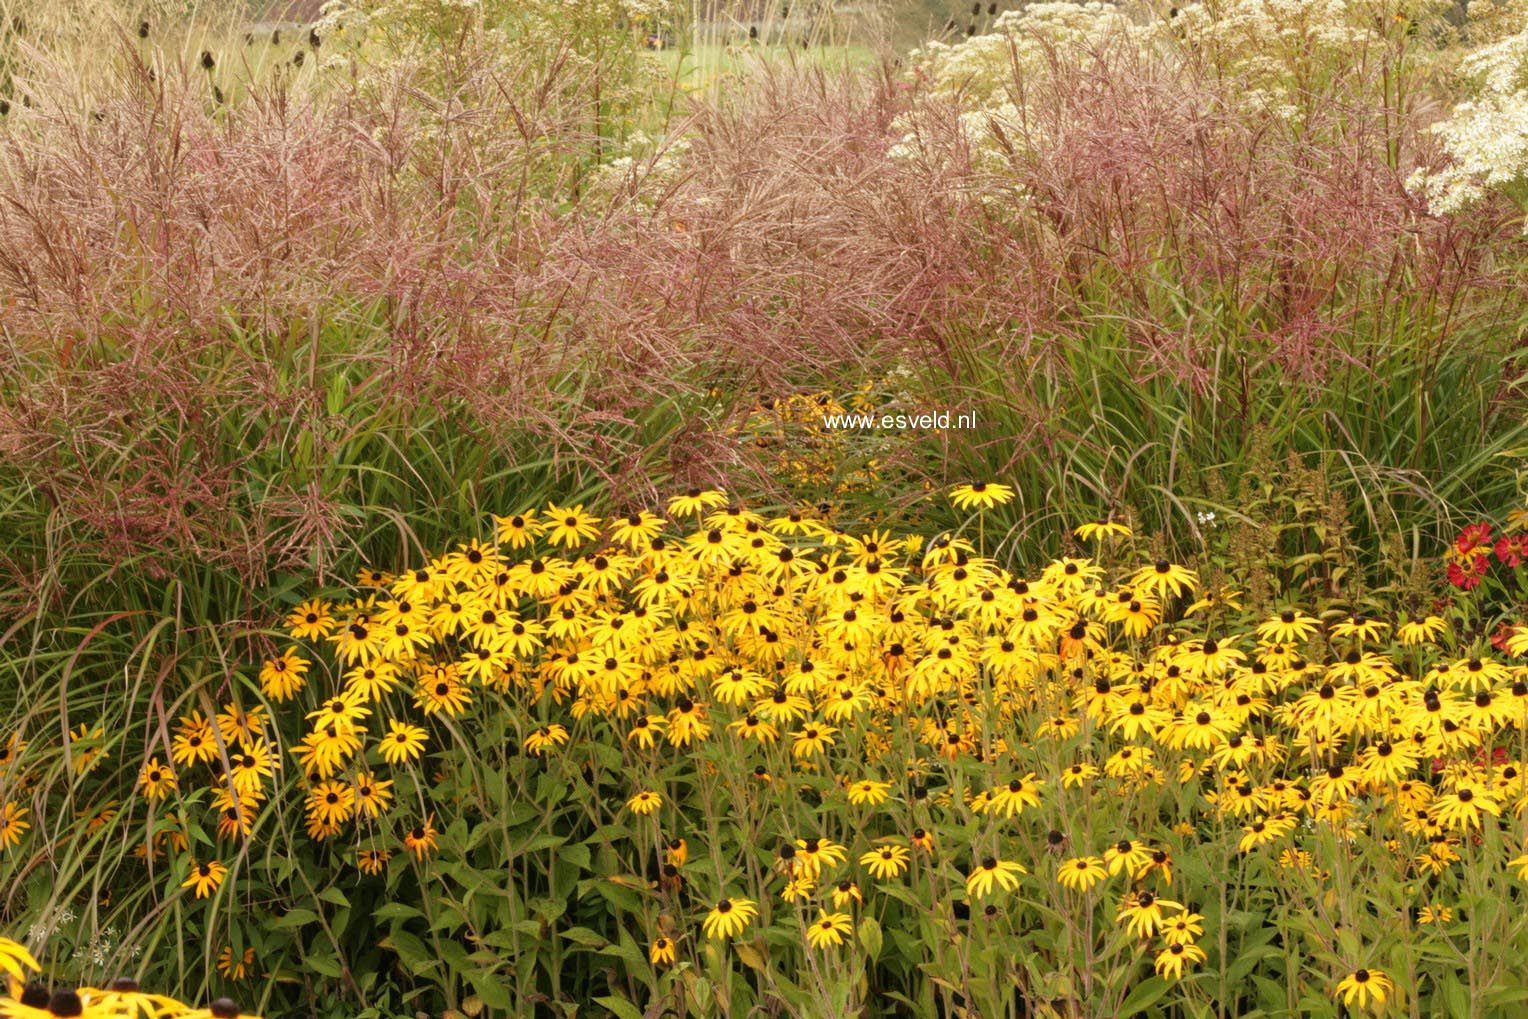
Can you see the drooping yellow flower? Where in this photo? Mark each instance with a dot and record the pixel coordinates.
(829, 929)
(373, 861)
(538, 742)
(1098, 529)
(1128, 855)
(1421, 631)
(421, 839)
(661, 952)
(235, 969)
(1363, 984)
(15, 960)
(728, 917)
(1290, 626)
(1012, 798)
(868, 792)
(1171, 960)
(812, 740)
(1081, 873)
(644, 803)
(1141, 913)
(696, 501)
(1359, 626)
(992, 871)
(156, 780)
(1164, 578)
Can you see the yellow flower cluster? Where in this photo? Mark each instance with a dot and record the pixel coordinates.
(744, 628)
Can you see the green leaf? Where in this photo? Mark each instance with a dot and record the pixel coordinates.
(622, 1008)
(577, 854)
(1143, 997)
(324, 965)
(395, 911)
(492, 990)
(294, 918)
(1456, 997)
(584, 936)
(412, 952)
(870, 936)
(335, 896)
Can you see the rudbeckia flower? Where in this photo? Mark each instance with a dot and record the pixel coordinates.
(517, 531)
(1171, 960)
(552, 735)
(887, 862)
(1361, 627)
(1141, 913)
(373, 861)
(15, 960)
(570, 527)
(420, 839)
(728, 917)
(1012, 798)
(1183, 929)
(1263, 831)
(868, 792)
(157, 780)
(1164, 578)
(1004, 873)
(661, 952)
(981, 495)
(311, 620)
(1361, 985)
(1081, 873)
(1289, 627)
(205, 878)
(644, 803)
(1435, 915)
(696, 501)
(1128, 855)
(812, 740)
(829, 929)
(1075, 775)
(1462, 808)
(1101, 529)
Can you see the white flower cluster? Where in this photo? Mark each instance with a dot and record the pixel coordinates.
(50, 922)
(1486, 137)
(645, 159)
(978, 69)
(1280, 52)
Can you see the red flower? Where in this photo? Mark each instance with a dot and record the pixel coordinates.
(1499, 638)
(1473, 537)
(1512, 549)
(1468, 575)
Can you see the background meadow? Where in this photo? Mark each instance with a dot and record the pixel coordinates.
(296, 304)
